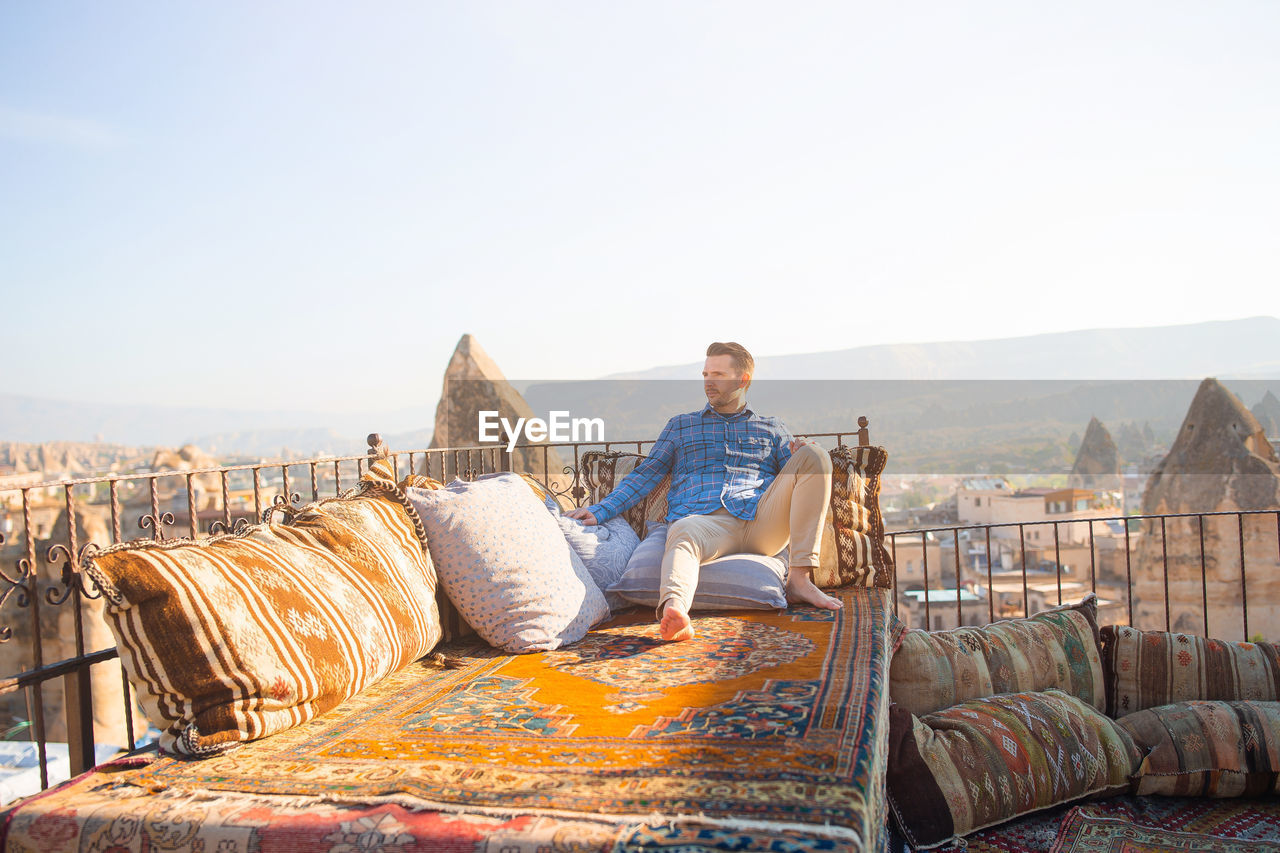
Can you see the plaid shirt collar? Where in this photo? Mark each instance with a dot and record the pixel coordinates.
(744, 412)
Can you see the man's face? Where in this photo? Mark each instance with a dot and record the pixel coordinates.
(722, 382)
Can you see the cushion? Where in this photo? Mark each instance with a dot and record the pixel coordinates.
(1146, 669)
(1056, 648)
(603, 548)
(1208, 749)
(236, 637)
(983, 762)
(853, 549)
(732, 582)
(505, 565)
(604, 470)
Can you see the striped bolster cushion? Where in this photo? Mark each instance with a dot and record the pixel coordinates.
(1147, 669)
(236, 637)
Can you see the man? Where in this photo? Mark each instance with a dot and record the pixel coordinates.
(739, 483)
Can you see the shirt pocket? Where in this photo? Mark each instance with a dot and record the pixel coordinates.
(748, 451)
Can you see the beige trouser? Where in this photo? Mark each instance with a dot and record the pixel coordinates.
(793, 509)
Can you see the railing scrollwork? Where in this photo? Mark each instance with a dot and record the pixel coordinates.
(71, 577)
(156, 524)
(221, 528)
(287, 506)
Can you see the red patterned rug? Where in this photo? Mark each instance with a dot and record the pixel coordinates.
(1140, 825)
(1171, 825)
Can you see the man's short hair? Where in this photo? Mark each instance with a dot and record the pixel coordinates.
(742, 359)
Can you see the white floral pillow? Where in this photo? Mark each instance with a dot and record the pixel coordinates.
(505, 565)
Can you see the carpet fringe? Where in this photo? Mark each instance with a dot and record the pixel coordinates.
(189, 796)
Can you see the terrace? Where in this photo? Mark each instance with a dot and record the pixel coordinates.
(70, 705)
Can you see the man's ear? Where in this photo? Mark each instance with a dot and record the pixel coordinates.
(744, 380)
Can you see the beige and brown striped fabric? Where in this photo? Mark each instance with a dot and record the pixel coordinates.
(237, 637)
(853, 550)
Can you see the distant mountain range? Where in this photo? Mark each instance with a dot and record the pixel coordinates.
(1236, 349)
(1247, 349)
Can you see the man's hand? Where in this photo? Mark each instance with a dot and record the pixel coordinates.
(582, 514)
(797, 443)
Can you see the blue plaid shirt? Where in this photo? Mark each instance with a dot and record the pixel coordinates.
(714, 460)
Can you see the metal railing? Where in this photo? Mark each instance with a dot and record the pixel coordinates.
(43, 599)
(1141, 544)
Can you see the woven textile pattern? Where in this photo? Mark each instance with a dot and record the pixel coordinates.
(983, 762)
(764, 723)
(1171, 825)
(95, 815)
(236, 637)
(603, 471)
(1145, 669)
(1208, 749)
(855, 521)
(933, 670)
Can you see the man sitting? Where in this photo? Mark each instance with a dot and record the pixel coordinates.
(740, 483)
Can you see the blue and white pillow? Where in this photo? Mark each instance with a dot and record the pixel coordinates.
(604, 548)
(732, 582)
(506, 566)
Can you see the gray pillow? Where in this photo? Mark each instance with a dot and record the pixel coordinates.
(505, 565)
(733, 582)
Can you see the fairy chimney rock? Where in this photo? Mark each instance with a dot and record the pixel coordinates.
(1220, 460)
(1267, 411)
(473, 383)
(1098, 461)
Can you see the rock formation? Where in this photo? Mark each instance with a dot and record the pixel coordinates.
(1132, 442)
(1097, 463)
(1219, 461)
(472, 384)
(1267, 411)
(207, 487)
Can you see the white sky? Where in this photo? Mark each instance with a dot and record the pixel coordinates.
(197, 197)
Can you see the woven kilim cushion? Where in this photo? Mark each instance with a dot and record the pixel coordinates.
(983, 762)
(237, 637)
(1208, 749)
(854, 524)
(1058, 648)
(603, 471)
(1146, 669)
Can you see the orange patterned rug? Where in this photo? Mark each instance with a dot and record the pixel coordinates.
(767, 724)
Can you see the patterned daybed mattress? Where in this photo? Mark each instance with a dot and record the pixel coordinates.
(766, 732)
(309, 706)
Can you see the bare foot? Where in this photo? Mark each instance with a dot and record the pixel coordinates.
(801, 590)
(675, 624)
